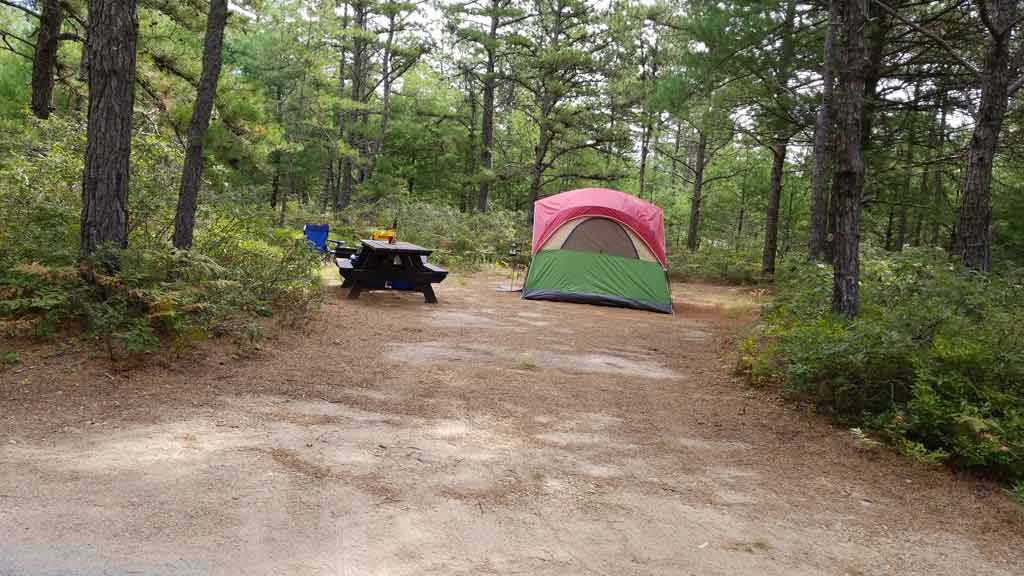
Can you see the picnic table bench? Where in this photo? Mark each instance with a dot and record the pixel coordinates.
(381, 265)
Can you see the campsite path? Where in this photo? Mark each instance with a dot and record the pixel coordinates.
(483, 435)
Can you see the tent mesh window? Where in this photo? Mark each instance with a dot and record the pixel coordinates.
(601, 235)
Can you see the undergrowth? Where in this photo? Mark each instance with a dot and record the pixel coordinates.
(715, 264)
(932, 365)
(240, 269)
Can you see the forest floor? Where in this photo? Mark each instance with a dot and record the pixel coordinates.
(485, 434)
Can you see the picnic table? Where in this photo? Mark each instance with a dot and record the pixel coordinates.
(380, 265)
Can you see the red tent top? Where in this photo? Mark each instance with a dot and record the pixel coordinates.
(642, 218)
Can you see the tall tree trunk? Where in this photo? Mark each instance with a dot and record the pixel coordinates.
(645, 142)
(328, 182)
(888, 228)
(355, 116)
(44, 63)
(903, 210)
(818, 232)
(113, 26)
(782, 77)
(693, 233)
(938, 192)
(974, 230)
(275, 182)
(275, 155)
(468, 188)
(675, 155)
(848, 184)
(385, 101)
(487, 122)
(771, 229)
(339, 199)
(191, 176)
(537, 171)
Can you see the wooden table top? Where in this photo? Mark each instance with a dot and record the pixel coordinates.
(396, 248)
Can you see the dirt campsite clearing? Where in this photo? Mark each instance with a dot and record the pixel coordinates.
(483, 435)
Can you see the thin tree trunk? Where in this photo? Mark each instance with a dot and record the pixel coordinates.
(385, 102)
(487, 122)
(275, 155)
(645, 141)
(939, 193)
(275, 182)
(888, 228)
(328, 181)
(113, 26)
(468, 201)
(340, 199)
(848, 183)
(771, 229)
(903, 211)
(974, 230)
(818, 232)
(547, 101)
(693, 233)
(44, 63)
(782, 75)
(191, 176)
(675, 155)
(537, 171)
(358, 68)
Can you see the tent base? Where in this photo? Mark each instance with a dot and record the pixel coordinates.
(598, 299)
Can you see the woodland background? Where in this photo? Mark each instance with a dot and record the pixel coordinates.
(864, 157)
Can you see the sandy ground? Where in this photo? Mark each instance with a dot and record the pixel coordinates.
(483, 435)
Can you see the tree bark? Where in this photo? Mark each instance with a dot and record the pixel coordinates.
(818, 232)
(487, 122)
(537, 171)
(693, 233)
(360, 10)
(192, 174)
(328, 181)
(974, 229)
(771, 229)
(468, 201)
(939, 191)
(903, 212)
(339, 199)
(645, 142)
(44, 63)
(113, 26)
(848, 183)
(385, 102)
(675, 155)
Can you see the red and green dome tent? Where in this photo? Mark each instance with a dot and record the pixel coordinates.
(599, 246)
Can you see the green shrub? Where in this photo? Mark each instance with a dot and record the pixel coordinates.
(158, 295)
(240, 267)
(932, 362)
(713, 263)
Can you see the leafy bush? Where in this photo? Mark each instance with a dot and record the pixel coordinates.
(932, 363)
(240, 267)
(158, 295)
(713, 263)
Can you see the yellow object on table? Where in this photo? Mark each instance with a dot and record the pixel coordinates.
(386, 235)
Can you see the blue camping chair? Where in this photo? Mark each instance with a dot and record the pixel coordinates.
(316, 235)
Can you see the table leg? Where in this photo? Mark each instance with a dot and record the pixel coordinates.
(354, 291)
(428, 294)
(346, 283)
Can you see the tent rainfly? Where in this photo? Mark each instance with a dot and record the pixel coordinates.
(599, 246)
